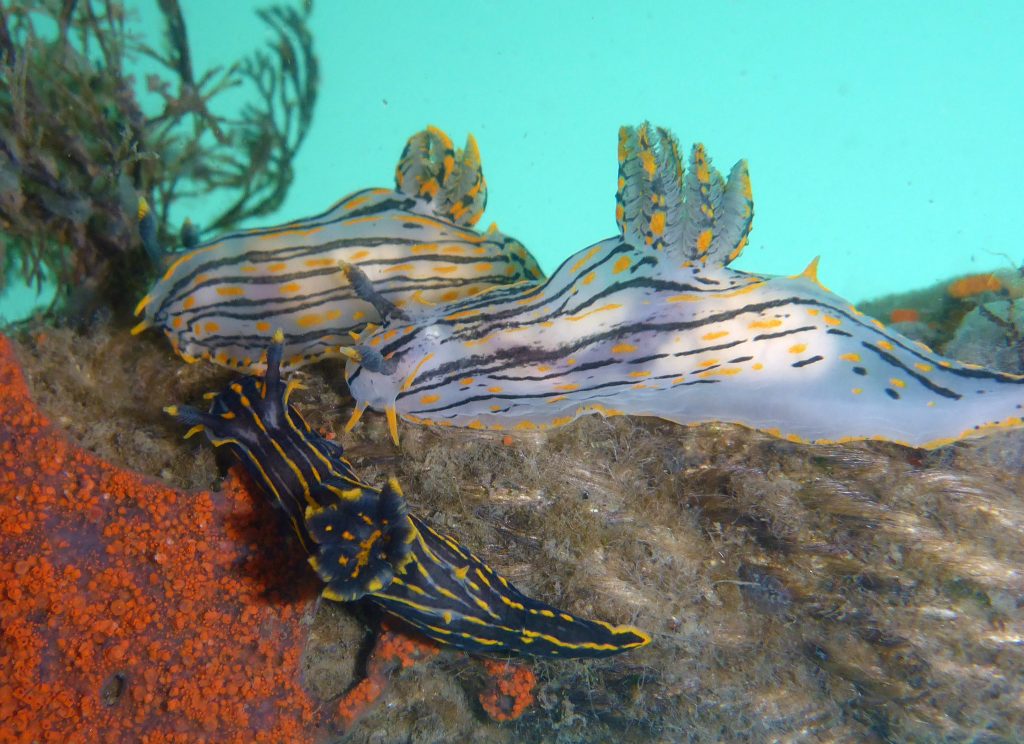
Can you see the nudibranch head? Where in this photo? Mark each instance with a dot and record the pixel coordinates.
(221, 300)
(357, 536)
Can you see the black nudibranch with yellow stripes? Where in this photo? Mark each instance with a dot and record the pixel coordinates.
(653, 322)
(363, 542)
(222, 300)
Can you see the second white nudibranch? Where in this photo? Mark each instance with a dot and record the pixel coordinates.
(222, 301)
(652, 322)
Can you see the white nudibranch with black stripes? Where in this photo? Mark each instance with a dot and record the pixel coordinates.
(223, 300)
(652, 322)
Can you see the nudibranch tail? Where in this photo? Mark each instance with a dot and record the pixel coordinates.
(363, 543)
(652, 322)
(450, 595)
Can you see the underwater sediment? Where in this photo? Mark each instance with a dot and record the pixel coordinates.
(864, 591)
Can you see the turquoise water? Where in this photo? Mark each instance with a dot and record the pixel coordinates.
(884, 137)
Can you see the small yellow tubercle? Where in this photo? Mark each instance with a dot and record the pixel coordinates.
(811, 273)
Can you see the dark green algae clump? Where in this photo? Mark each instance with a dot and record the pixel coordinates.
(864, 592)
(84, 133)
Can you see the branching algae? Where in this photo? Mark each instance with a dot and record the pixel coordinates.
(77, 147)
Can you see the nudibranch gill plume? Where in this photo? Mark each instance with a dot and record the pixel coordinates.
(363, 543)
(222, 301)
(653, 322)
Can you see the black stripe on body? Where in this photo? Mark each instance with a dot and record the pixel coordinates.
(894, 362)
(388, 209)
(500, 316)
(184, 285)
(492, 366)
(510, 358)
(809, 360)
(578, 395)
(288, 305)
(384, 202)
(621, 331)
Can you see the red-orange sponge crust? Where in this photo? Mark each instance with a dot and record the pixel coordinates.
(130, 611)
(509, 691)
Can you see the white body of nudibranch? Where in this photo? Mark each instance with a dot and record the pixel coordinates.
(223, 300)
(653, 323)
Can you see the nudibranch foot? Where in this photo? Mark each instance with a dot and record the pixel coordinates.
(221, 300)
(654, 322)
(363, 542)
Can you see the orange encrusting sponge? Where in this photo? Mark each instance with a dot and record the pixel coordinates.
(133, 612)
(394, 650)
(904, 315)
(510, 690)
(975, 284)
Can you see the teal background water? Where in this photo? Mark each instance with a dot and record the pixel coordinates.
(885, 137)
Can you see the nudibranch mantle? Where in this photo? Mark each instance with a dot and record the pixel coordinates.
(222, 301)
(363, 543)
(653, 322)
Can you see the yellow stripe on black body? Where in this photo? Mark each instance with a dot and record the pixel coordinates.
(363, 543)
(450, 595)
(222, 300)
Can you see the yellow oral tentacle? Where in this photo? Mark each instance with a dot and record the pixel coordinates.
(392, 415)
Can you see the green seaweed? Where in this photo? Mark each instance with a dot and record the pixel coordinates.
(78, 148)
